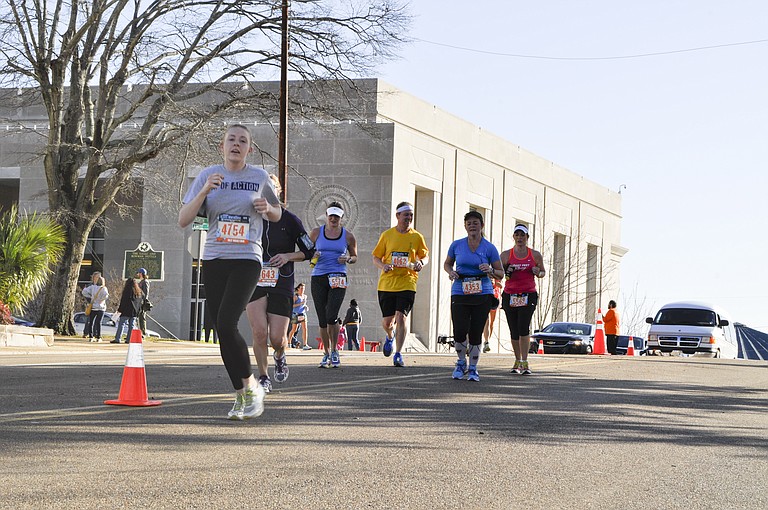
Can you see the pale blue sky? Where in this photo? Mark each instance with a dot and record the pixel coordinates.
(687, 133)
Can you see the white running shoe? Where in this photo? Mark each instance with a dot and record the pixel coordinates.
(236, 413)
(254, 401)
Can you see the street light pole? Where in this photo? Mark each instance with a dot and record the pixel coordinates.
(282, 137)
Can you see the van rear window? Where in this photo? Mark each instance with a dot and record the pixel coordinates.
(686, 317)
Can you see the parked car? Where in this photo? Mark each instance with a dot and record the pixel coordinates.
(640, 344)
(18, 321)
(565, 338)
(108, 326)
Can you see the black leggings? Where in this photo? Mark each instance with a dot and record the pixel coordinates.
(229, 285)
(519, 317)
(469, 314)
(328, 301)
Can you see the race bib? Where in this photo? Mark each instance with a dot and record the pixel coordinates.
(269, 276)
(472, 285)
(337, 280)
(233, 228)
(400, 259)
(518, 300)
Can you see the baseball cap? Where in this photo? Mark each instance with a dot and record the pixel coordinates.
(142, 271)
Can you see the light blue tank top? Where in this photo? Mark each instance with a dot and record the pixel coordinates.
(330, 251)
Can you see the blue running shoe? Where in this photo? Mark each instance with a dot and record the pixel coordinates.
(387, 347)
(472, 375)
(326, 362)
(281, 369)
(398, 360)
(460, 370)
(335, 361)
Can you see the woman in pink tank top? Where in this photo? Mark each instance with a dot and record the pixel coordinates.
(521, 265)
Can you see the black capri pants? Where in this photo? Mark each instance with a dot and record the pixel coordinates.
(469, 314)
(519, 317)
(229, 285)
(328, 301)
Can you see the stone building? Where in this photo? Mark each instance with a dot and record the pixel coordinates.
(397, 148)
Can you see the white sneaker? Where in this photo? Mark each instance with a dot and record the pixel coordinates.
(236, 413)
(254, 401)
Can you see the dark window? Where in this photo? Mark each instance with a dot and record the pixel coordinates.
(686, 317)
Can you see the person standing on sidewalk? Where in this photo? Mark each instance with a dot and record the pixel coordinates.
(352, 321)
(96, 294)
(335, 248)
(476, 265)
(611, 324)
(87, 328)
(519, 299)
(131, 300)
(400, 254)
(235, 197)
(269, 311)
(141, 274)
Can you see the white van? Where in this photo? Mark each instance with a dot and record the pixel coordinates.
(694, 328)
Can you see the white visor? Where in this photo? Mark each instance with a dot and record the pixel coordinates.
(335, 211)
(522, 229)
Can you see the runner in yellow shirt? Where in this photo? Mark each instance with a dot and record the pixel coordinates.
(400, 254)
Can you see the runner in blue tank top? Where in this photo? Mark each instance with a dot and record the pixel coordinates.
(471, 264)
(335, 248)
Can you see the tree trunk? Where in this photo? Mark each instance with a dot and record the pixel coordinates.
(60, 298)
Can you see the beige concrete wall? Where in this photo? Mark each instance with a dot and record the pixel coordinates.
(465, 165)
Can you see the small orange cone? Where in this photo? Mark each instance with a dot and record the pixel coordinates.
(599, 344)
(541, 346)
(630, 346)
(362, 343)
(133, 389)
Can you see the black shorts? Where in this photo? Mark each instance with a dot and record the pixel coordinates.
(400, 301)
(277, 304)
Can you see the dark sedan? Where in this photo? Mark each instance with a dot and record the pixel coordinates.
(640, 344)
(565, 338)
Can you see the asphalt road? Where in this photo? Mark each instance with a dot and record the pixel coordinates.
(582, 432)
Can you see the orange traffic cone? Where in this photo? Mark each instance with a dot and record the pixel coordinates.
(599, 344)
(630, 346)
(362, 343)
(541, 346)
(133, 389)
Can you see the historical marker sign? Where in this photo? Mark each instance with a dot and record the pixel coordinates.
(200, 224)
(144, 256)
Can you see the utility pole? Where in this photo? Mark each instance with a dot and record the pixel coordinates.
(282, 137)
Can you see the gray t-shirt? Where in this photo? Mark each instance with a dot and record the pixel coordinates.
(234, 226)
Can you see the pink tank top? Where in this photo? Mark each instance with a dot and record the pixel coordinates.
(522, 278)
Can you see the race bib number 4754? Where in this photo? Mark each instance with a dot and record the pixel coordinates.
(233, 228)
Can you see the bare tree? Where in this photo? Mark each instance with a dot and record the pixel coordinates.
(634, 309)
(576, 279)
(122, 81)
